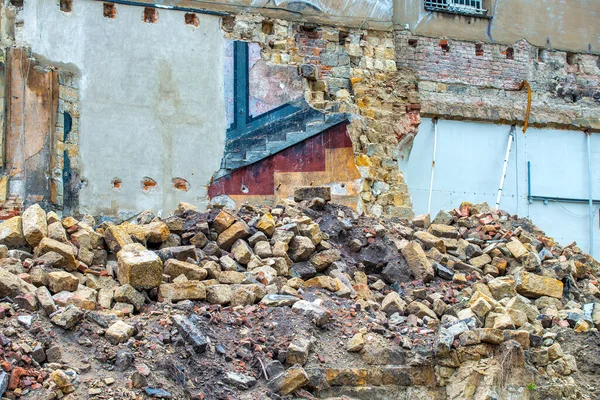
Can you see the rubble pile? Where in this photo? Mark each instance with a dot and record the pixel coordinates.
(303, 298)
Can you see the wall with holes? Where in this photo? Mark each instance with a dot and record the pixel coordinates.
(150, 107)
(468, 166)
(553, 24)
(480, 81)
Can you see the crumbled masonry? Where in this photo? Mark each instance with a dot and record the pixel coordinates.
(304, 300)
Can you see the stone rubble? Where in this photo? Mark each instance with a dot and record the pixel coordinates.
(459, 293)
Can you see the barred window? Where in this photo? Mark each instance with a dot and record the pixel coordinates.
(468, 7)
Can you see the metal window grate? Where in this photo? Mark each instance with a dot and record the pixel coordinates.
(469, 7)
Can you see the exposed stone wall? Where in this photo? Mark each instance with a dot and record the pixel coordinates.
(352, 71)
(66, 166)
(480, 81)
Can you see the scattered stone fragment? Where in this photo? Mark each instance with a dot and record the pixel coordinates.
(289, 381)
(178, 291)
(63, 382)
(222, 221)
(417, 262)
(123, 360)
(11, 233)
(127, 294)
(266, 224)
(119, 332)
(116, 238)
(297, 351)
(240, 381)
(443, 231)
(517, 249)
(393, 303)
(301, 248)
(319, 315)
(68, 318)
(158, 393)
(219, 294)
(356, 343)
(239, 230)
(59, 281)
(65, 250)
(279, 300)
(322, 260)
(35, 225)
(190, 333)
(11, 285)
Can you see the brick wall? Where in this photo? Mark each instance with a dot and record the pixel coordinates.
(468, 63)
(480, 81)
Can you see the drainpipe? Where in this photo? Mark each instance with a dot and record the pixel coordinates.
(511, 138)
(435, 128)
(590, 188)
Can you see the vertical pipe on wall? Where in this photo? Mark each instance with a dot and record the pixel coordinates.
(590, 188)
(435, 129)
(511, 137)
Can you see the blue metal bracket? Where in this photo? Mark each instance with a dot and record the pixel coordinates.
(546, 199)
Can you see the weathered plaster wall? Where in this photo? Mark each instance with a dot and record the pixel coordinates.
(150, 101)
(556, 24)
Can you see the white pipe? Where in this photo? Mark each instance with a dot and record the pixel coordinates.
(590, 188)
(435, 123)
(511, 137)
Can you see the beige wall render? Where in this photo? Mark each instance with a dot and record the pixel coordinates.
(550, 24)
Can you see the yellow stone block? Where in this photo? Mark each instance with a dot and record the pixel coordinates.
(363, 161)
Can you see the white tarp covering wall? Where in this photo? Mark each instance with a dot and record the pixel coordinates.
(469, 163)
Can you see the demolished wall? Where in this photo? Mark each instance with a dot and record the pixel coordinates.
(354, 72)
(480, 81)
(106, 90)
(124, 81)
